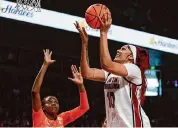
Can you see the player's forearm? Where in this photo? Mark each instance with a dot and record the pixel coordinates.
(39, 79)
(84, 105)
(84, 62)
(78, 111)
(105, 58)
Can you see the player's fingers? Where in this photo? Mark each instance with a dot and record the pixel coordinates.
(72, 69)
(43, 51)
(70, 78)
(100, 20)
(84, 31)
(106, 18)
(47, 50)
(53, 61)
(110, 20)
(75, 68)
(78, 25)
(50, 53)
(75, 25)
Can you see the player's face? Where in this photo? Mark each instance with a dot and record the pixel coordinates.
(51, 105)
(123, 55)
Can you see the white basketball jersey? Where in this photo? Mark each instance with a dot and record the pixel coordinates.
(123, 108)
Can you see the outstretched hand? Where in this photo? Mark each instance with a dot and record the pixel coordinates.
(106, 22)
(77, 77)
(47, 57)
(82, 31)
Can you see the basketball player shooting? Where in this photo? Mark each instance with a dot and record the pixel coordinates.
(45, 113)
(124, 78)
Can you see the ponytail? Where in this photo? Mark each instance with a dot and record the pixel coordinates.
(142, 61)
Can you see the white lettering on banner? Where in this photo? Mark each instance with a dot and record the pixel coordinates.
(65, 22)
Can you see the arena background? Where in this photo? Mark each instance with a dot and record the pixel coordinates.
(21, 57)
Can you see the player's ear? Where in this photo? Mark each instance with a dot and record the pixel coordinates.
(43, 104)
(79, 70)
(131, 58)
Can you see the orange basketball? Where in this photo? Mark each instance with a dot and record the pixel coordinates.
(92, 13)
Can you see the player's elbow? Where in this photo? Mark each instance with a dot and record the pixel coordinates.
(85, 75)
(106, 66)
(34, 92)
(85, 108)
(105, 63)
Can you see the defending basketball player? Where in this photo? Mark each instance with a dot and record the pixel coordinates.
(124, 78)
(45, 113)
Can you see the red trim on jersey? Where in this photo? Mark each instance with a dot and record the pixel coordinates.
(137, 117)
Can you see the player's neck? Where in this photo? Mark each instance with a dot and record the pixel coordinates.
(51, 116)
(125, 62)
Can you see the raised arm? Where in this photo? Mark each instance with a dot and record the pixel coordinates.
(74, 114)
(87, 72)
(105, 58)
(36, 100)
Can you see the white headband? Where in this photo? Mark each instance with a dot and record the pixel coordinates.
(134, 51)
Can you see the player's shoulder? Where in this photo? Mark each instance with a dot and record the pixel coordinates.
(131, 66)
(61, 115)
(39, 111)
(134, 73)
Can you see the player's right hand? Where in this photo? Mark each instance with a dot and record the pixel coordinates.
(83, 33)
(47, 57)
(77, 76)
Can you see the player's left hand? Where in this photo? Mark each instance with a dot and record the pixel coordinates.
(82, 31)
(106, 22)
(77, 77)
(47, 57)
